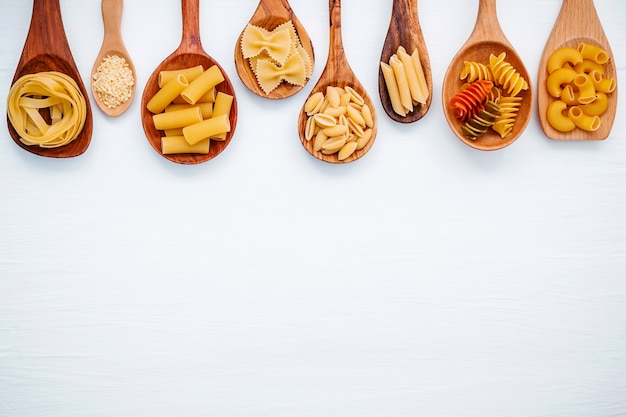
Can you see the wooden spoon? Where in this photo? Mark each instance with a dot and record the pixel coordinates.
(112, 44)
(577, 22)
(268, 15)
(487, 38)
(46, 49)
(405, 30)
(188, 54)
(338, 73)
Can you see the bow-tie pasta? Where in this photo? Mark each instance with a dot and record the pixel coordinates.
(276, 56)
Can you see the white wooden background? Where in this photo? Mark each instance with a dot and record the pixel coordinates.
(426, 279)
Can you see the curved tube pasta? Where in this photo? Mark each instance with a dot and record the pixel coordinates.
(593, 52)
(587, 66)
(583, 121)
(569, 95)
(557, 119)
(557, 79)
(598, 106)
(561, 56)
(605, 85)
(586, 89)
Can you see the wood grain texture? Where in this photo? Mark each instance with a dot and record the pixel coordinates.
(268, 15)
(338, 73)
(486, 38)
(188, 54)
(46, 49)
(113, 44)
(577, 22)
(405, 30)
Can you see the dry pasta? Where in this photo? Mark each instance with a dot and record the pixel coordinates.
(276, 56)
(578, 86)
(195, 124)
(344, 134)
(506, 75)
(405, 81)
(167, 93)
(52, 92)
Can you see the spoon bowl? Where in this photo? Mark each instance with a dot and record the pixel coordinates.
(269, 14)
(112, 45)
(188, 54)
(46, 49)
(337, 73)
(487, 38)
(405, 30)
(576, 23)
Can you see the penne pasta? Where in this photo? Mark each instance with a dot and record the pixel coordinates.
(411, 76)
(392, 89)
(403, 83)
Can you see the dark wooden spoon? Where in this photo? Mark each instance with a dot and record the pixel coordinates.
(46, 49)
(113, 44)
(188, 54)
(577, 22)
(486, 38)
(268, 15)
(405, 30)
(338, 73)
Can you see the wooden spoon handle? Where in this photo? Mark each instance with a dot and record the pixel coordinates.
(487, 25)
(336, 53)
(46, 31)
(277, 8)
(191, 25)
(404, 14)
(578, 17)
(112, 19)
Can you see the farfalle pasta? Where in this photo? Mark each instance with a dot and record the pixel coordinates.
(276, 56)
(578, 86)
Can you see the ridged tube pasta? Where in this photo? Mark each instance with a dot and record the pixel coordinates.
(167, 93)
(206, 109)
(557, 119)
(586, 89)
(206, 128)
(52, 90)
(403, 83)
(506, 75)
(190, 74)
(563, 56)
(177, 118)
(557, 79)
(202, 84)
(178, 144)
(593, 52)
(582, 120)
(392, 89)
(222, 106)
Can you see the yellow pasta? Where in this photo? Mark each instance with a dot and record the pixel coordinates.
(586, 90)
(421, 77)
(598, 106)
(587, 65)
(178, 131)
(411, 76)
(602, 84)
(557, 79)
(51, 91)
(561, 56)
(177, 118)
(167, 93)
(569, 95)
(206, 129)
(473, 71)
(392, 89)
(202, 84)
(178, 144)
(593, 52)
(582, 120)
(206, 109)
(506, 75)
(222, 106)
(557, 119)
(190, 74)
(509, 107)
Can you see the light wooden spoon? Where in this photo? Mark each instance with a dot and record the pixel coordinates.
(112, 44)
(405, 30)
(188, 54)
(487, 38)
(338, 73)
(268, 15)
(46, 49)
(577, 22)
